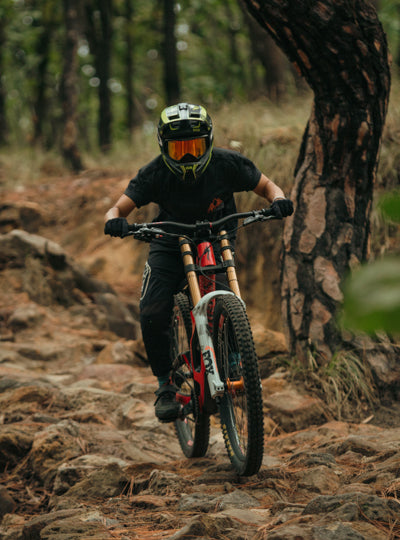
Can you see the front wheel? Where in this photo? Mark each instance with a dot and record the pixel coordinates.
(241, 409)
(193, 429)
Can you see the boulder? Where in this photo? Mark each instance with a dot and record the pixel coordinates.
(293, 411)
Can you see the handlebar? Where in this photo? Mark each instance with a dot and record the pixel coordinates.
(147, 231)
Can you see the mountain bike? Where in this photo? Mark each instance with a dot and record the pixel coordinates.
(214, 362)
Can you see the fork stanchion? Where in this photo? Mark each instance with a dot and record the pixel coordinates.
(188, 264)
(227, 256)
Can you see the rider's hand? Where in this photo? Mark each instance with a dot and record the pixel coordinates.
(116, 227)
(282, 207)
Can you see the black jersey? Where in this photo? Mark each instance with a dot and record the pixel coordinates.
(211, 197)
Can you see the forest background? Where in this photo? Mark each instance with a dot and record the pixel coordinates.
(124, 61)
(82, 85)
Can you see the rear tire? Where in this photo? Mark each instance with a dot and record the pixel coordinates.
(193, 430)
(241, 408)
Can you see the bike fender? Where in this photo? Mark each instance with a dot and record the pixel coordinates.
(206, 344)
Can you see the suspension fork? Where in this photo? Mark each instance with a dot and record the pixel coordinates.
(200, 318)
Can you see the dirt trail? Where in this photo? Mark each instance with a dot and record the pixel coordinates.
(81, 454)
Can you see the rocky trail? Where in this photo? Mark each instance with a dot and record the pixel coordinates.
(81, 453)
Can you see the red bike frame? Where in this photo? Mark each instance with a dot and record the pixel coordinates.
(200, 286)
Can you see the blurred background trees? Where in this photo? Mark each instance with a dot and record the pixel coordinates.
(132, 58)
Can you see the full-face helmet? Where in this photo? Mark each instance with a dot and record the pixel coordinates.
(185, 136)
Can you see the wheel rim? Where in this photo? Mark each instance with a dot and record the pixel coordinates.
(183, 377)
(231, 372)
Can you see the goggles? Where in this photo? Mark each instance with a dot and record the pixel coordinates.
(178, 149)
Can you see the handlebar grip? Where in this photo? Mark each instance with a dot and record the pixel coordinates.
(133, 227)
(267, 212)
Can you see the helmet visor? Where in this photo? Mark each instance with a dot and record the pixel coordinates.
(178, 149)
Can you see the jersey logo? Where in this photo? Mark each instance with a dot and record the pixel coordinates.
(216, 203)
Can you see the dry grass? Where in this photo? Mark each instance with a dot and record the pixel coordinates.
(345, 384)
(267, 133)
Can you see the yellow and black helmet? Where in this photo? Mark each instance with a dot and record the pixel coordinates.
(185, 136)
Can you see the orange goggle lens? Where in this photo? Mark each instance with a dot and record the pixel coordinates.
(178, 149)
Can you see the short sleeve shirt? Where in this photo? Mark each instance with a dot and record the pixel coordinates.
(210, 198)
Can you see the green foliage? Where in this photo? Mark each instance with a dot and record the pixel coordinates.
(372, 293)
(214, 55)
(390, 206)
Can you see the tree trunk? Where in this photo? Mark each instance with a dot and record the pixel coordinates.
(3, 118)
(270, 56)
(340, 48)
(69, 90)
(131, 115)
(171, 74)
(99, 33)
(40, 105)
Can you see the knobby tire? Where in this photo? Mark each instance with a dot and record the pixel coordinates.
(193, 430)
(241, 410)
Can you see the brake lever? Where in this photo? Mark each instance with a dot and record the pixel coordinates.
(252, 219)
(145, 234)
(257, 216)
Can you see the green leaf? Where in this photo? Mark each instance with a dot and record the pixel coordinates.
(390, 206)
(372, 297)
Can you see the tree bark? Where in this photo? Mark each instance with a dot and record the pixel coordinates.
(340, 48)
(69, 90)
(171, 73)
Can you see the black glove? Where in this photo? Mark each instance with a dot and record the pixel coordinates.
(116, 227)
(282, 208)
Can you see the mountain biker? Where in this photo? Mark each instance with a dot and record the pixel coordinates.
(190, 180)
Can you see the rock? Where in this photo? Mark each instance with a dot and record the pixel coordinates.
(9, 217)
(208, 526)
(254, 516)
(118, 316)
(123, 352)
(25, 399)
(134, 412)
(73, 471)
(371, 507)
(292, 411)
(28, 215)
(197, 502)
(33, 528)
(268, 342)
(7, 503)
(336, 531)
(276, 382)
(66, 525)
(237, 499)
(11, 527)
(53, 446)
(15, 443)
(288, 532)
(162, 481)
(25, 317)
(318, 479)
(103, 482)
(17, 245)
(49, 276)
(108, 376)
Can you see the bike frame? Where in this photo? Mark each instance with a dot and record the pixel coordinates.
(203, 308)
